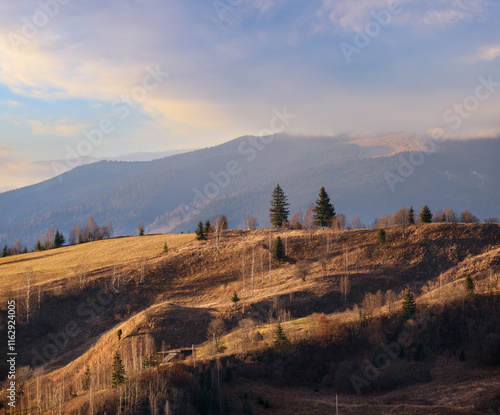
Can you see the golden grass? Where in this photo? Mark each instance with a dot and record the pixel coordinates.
(66, 262)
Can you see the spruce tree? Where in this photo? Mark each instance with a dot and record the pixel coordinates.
(425, 215)
(4, 252)
(206, 229)
(381, 235)
(409, 305)
(118, 375)
(59, 239)
(86, 379)
(200, 232)
(279, 208)
(411, 216)
(39, 245)
(235, 298)
(470, 285)
(278, 250)
(324, 211)
(280, 338)
(141, 228)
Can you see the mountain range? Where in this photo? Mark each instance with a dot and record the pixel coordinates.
(368, 177)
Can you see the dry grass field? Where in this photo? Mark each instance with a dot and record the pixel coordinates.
(168, 299)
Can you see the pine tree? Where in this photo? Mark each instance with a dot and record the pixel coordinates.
(409, 305)
(39, 245)
(206, 229)
(59, 239)
(86, 380)
(118, 375)
(278, 250)
(279, 210)
(280, 338)
(141, 228)
(324, 211)
(381, 236)
(425, 215)
(235, 298)
(165, 248)
(470, 285)
(200, 233)
(411, 216)
(4, 251)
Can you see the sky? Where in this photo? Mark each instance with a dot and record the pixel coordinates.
(101, 79)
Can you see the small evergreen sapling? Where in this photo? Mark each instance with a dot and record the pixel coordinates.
(409, 305)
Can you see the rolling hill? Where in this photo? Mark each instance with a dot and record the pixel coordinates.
(165, 301)
(363, 177)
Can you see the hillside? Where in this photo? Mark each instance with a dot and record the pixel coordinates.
(166, 301)
(172, 194)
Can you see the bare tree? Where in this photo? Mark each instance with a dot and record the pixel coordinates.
(296, 222)
(467, 217)
(270, 257)
(251, 222)
(73, 237)
(309, 218)
(215, 330)
(400, 218)
(253, 262)
(29, 275)
(218, 224)
(450, 215)
(143, 266)
(356, 223)
(345, 283)
(383, 221)
(262, 263)
(243, 272)
(390, 299)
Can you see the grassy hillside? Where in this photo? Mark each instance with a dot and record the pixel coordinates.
(163, 301)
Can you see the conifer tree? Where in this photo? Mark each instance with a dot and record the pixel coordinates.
(4, 252)
(278, 250)
(409, 305)
(280, 338)
(470, 285)
(324, 211)
(165, 248)
(141, 228)
(235, 298)
(118, 375)
(381, 235)
(200, 232)
(39, 245)
(86, 379)
(279, 208)
(411, 216)
(425, 215)
(59, 239)
(206, 229)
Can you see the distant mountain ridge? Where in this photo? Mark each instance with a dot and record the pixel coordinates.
(237, 177)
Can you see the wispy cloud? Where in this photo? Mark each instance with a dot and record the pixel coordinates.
(485, 53)
(57, 128)
(352, 16)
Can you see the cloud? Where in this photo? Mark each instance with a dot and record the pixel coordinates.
(485, 53)
(352, 16)
(58, 128)
(14, 103)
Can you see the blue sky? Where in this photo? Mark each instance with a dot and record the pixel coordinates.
(63, 63)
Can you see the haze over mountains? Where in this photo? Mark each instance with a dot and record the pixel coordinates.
(365, 177)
